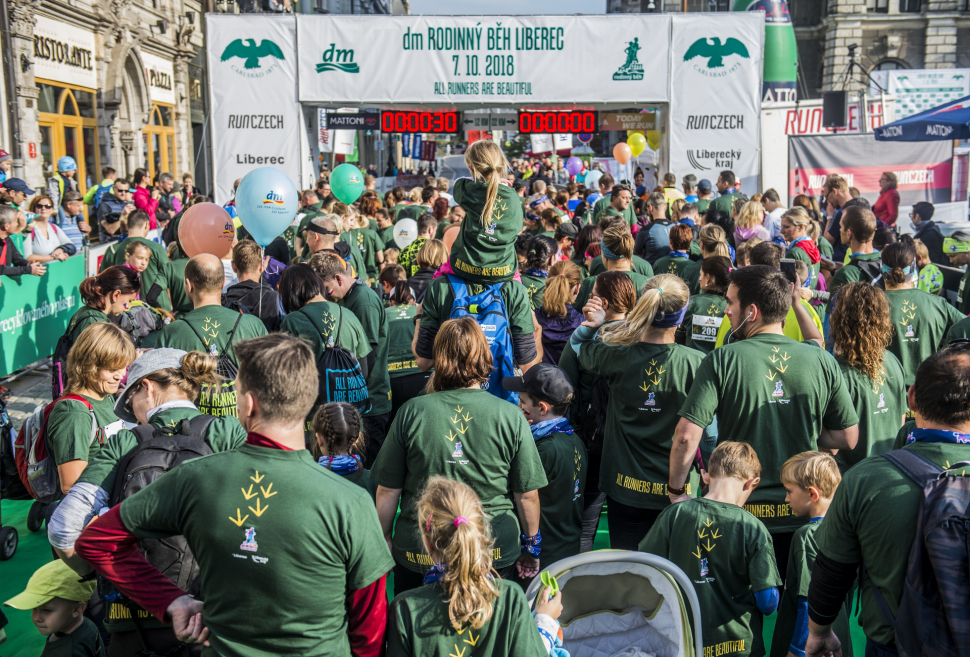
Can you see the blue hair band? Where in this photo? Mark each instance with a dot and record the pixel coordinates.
(667, 320)
(906, 270)
(609, 255)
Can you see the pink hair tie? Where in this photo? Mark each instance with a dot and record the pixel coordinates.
(427, 527)
(461, 520)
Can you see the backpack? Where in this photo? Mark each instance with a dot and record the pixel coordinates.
(160, 449)
(341, 379)
(488, 311)
(871, 270)
(11, 486)
(36, 466)
(592, 415)
(139, 321)
(933, 616)
(59, 357)
(226, 369)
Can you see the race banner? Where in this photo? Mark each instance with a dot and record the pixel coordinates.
(923, 169)
(255, 117)
(35, 311)
(446, 60)
(716, 62)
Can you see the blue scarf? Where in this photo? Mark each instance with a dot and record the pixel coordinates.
(687, 221)
(546, 427)
(435, 573)
(937, 436)
(679, 254)
(340, 465)
(538, 273)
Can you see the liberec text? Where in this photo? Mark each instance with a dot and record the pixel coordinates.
(495, 39)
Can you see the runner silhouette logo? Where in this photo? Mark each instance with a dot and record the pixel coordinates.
(712, 54)
(250, 53)
(631, 69)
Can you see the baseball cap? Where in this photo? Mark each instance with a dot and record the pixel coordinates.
(149, 362)
(704, 185)
(924, 210)
(568, 229)
(544, 381)
(4, 155)
(52, 580)
(17, 185)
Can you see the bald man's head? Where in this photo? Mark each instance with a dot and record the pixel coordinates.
(206, 274)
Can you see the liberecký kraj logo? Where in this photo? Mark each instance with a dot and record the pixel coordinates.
(251, 54)
(337, 59)
(705, 160)
(631, 69)
(710, 55)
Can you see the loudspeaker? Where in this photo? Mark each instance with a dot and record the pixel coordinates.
(833, 109)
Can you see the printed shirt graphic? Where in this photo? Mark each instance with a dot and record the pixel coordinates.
(801, 559)
(486, 253)
(672, 265)
(881, 407)
(705, 313)
(728, 555)
(777, 395)
(536, 287)
(214, 324)
(498, 457)
(369, 310)
(400, 333)
(261, 516)
(586, 288)
(872, 520)
(418, 624)
(648, 385)
(921, 322)
(564, 461)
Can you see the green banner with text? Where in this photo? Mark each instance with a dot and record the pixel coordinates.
(35, 310)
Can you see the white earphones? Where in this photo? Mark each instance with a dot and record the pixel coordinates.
(740, 325)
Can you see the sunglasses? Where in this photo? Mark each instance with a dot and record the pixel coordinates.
(45, 207)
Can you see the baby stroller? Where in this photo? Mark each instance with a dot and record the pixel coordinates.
(11, 488)
(621, 603)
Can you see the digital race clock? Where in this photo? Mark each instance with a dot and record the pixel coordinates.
(567, 122)
(411, 121)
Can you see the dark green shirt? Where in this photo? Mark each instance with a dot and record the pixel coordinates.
(486, 253)
(728, 555)
(692, 276)
(469, 436)
(881, 406)
(921, 322)
(702, 205)
(959, 331)
(400, 334)
(798, 253)
(672, 265)
(536, 286)
(369, 310)
(85, 641)
(705, 313)
(83, 318)
(586, 288)
(640, 266)
(214, 324)
(367, 244)
(68, 431)
(846, 274)
(602, 207)
(725, 202)
(777, 395)
(154, 272)
(564, 461)
(174, 273)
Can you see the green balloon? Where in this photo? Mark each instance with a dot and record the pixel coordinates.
(347, 183)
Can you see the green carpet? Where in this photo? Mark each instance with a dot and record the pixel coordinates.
(34, 551)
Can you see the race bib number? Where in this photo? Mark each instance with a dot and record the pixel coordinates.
(704, 328)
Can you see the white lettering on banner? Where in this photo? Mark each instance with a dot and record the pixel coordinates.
(918, 177)
(808, 120)
(817, 182)
(256, 121)
(46, 309)
(939, 130)
(892, 131)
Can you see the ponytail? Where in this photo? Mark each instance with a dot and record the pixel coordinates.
(899, 262)
(338, 426)
(197, 369)
(619, 241)
(563, 277)
(539, 252)
(663, 294)
(451, 517)
(487, 163)
(401, 295)
(120, 278)
(713, 241)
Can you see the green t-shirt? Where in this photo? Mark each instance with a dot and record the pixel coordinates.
(872, 520)
(536, 287)
(798, 253)
(406, 211)
(85, 641)
(154, 272)
(486, 254)
(672, 265)
(903, 434)
(369, 310)
(846, 274)
(880, 406)
(564, 461)
(418, 624)
(469, 436)
(586, 288)
(777, 395)
(438, 300)
(692, 276)
(279, 522)
(440, 230)
(362, 478)
(640, 266)
(725, 202)
(223, 434)
(175, 282)
(702, 205)
(801, 558)
(921, 322)
(648, 385)
(603, 208)
(367, 244)
(705, 312)
(959, 331)
(726, 579)
(68, 431)
(400, 334)
(83, 318)
(386, 237)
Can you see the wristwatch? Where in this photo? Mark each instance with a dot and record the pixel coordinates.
(677, 491)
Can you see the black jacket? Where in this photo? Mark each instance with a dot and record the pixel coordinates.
(419, 282)
(14, 264)
(257, 299)
(653, 240)
(929, 234)
(110, 209)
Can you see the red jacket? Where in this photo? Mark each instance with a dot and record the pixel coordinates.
(144, 201)
(886, 208)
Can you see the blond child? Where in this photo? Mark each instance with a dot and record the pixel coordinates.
(810, 479)
(57, 600)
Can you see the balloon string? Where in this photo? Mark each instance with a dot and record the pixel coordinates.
(262, 258)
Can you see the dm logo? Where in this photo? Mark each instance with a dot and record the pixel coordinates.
(335, 59)
(713, 53)
(228, 229)
(650, 400)
(457, 454)
(631, 69)
(250, 544)
(273, 199)
(778, 391)
(250, 53)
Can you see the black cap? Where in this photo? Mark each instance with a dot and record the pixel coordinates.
(544, 381)
(568, 229)
(924, 210)
(17, 185)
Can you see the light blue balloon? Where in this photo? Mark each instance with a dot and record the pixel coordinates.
(266, 202)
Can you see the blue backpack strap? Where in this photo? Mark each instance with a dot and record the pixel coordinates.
(459, 289)
(915, 466)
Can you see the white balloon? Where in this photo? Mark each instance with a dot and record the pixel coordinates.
(405, 232)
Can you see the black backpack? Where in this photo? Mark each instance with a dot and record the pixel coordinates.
(61, 349)
(871, 270)
(341, 379)
(934, 612)
(592, 415)
(160, 450)
(226, 369)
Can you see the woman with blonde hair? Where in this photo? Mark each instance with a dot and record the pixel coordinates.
(431, 255)
(361, 238)
(649, 377)
(712, 242)
(463, 601)
(750, 223)
(556, 315)
(457, 430)
(800, 232)
(617, 251)
(484, 250)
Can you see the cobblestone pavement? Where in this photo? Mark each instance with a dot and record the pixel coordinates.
(27, 392)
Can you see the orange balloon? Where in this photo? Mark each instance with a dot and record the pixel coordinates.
(206, 228)
(449, 236)
(622, 152)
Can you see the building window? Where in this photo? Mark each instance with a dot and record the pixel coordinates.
(879, 6)
(69, 126)
(706, 5)
(909, 6)
(158, 141)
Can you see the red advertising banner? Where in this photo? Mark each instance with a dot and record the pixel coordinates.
(923, 169)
